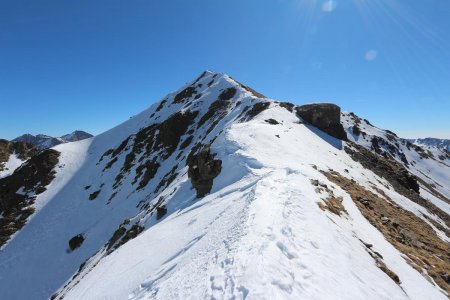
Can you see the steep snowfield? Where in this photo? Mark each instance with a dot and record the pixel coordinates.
(259, 234)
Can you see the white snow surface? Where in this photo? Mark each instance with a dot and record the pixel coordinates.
(259, 234)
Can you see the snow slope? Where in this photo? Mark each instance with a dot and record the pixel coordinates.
(259, 234)
(431, 164)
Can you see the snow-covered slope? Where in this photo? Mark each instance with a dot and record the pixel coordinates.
(42, 141)
(430, 164)
(216, 192)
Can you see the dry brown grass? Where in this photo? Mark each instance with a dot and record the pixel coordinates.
(331, 203)
(334, 205)
(400, 179)
(411, 235)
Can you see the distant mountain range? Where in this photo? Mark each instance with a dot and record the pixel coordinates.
(42, 141)
(432, 142)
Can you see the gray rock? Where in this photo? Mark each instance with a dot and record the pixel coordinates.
(315, 182)
(203, 168)
(325, 116)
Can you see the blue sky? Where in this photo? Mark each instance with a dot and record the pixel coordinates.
(91, 64)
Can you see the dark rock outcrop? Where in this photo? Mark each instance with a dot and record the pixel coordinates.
(161, 211)
(76, 242)
(272, 121)
(203, 168)
(218, 109)
(149, 147)
(227, 94)
(18, 191)
(325, 116)
(123, 235)
(23, 150)
(258, 108)
(185, 94)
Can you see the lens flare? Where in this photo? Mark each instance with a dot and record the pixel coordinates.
(371, 55)
(329, 6)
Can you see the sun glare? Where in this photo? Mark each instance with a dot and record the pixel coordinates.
(329, 5)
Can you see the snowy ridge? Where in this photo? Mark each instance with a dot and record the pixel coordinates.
(265, 230)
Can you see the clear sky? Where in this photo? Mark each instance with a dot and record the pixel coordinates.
(91, 64)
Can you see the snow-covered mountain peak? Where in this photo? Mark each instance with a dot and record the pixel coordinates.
(217, 192)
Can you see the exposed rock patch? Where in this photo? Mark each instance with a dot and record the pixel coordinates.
(167, 179)
(94, 195)
(255, 110)
(76, 242)
(123, 235)
(287, 105)
(148, 169)
(161, 105)
(19, 190)
(356, 130)
(200, 77)
(151, 144)
(203, 168)
(272, 121)
(216, 111)
(186, 142)
(325, 116)
(161, 211)
(184, 94)
(227, 94)
(378, 145)
(23, 151)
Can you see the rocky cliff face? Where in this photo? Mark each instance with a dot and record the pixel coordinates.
(203, 168)
(19, 191)
(325, 116)
(20, 150)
